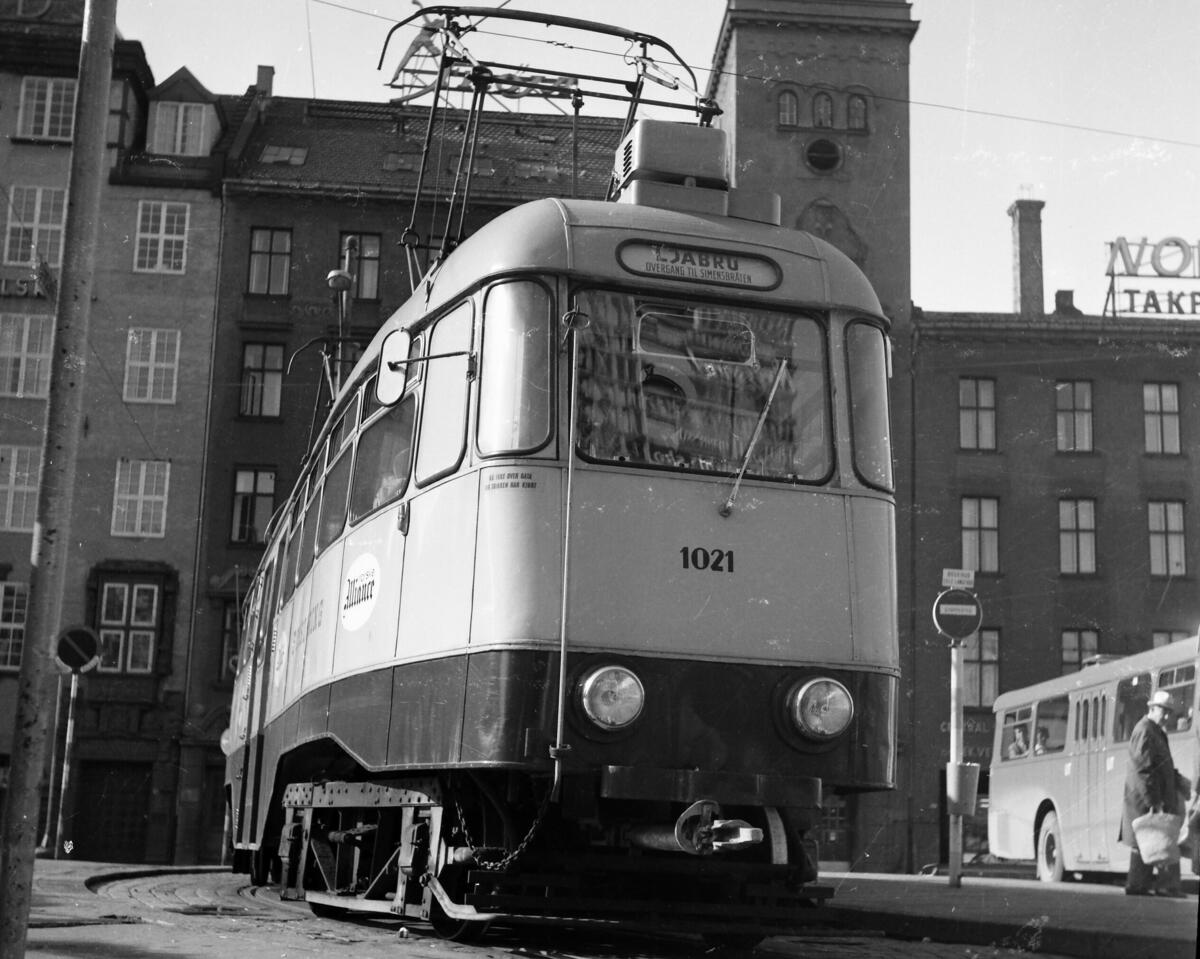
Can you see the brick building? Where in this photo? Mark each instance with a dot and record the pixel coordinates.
(1053, 453)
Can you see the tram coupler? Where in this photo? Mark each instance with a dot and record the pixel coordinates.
(351, 836)
(697, 832)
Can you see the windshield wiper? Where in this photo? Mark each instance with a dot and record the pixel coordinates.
(727, 508)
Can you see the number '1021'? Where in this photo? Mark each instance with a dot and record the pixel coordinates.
(713, 560)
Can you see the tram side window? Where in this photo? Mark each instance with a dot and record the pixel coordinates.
(333, 503)
(444, 412)
(308, 536)
(866, 357)
(1180, 682)
(514, 382)
(384, 459)
(1014, 740)
(1133, 696)
(292, 556)
(1050, 731)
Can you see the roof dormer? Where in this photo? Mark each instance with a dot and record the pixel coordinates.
(185, 118)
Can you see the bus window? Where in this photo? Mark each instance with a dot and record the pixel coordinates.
(384, 459)
(514, 382)
(1133, 693)
(866, 358)
(444, 412)
(682, 395)
(1050, 733)
(1014, 741)
(1180, 682)
(333, 503)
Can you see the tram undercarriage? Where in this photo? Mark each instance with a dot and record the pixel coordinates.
(457, 853)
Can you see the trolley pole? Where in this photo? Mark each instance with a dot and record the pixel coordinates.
(64, 415)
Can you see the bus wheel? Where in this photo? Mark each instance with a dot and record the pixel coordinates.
(1049, 850)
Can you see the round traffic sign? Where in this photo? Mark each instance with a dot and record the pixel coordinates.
(957, 613)
(78, 649)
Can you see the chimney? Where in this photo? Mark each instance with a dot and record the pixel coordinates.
(266, 76)
(1027, 257)
(1064, 303)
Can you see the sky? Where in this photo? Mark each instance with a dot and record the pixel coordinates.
(1087, 105)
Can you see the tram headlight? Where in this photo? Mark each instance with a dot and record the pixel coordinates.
(821, 708)
(612, 697)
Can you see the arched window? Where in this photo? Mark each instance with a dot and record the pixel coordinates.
(856, 113)
(789, 109)
(822, 110)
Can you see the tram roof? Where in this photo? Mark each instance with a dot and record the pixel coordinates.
(560, 235)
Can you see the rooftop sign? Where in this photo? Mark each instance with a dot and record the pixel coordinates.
(1154, 265)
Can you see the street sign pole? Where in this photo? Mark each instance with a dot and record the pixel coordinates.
(957, 614)
(956, 758)
(66, 770)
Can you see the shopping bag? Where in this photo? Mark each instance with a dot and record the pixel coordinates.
(1157, 835)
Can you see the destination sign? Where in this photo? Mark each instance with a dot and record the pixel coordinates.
(698, 264)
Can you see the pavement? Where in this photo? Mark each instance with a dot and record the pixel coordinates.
(1076, 919)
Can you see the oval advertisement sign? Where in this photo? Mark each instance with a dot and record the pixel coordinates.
(358, 592)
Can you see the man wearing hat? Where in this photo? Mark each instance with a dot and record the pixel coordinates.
(1151, 782)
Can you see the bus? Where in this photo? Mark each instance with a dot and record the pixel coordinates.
(1060, 753)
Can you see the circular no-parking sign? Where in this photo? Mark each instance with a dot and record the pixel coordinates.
(78, 649)
(957, 613)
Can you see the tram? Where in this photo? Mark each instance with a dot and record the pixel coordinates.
(588, 584)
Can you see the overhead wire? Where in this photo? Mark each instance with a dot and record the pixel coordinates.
(966, 111)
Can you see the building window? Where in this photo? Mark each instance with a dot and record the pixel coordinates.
(980, 534)
(1077, 646)
(25, 341)
(1074, 403)
(140, 498)
(179, 129)
(262, 379)
(151, 366)
(253, 504)
(1076, 536)
(20, 471)
(789, 109)
(129, 617)
(981, 668)
(856, 113)
(14, 606)
(822, 110)
(36, 217)
(976, 414)
(364, 263)
(1164, 637)
(161, 237)
(47, 108)
(1160, 405)
(230, 623)
(1166, 538)
(270, 261)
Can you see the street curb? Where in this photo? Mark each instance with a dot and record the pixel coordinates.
(1033, 936)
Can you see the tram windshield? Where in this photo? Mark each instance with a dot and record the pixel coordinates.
(682, 385)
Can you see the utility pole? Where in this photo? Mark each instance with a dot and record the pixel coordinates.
(51, 536)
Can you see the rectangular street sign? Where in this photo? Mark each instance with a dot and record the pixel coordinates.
(958, 578)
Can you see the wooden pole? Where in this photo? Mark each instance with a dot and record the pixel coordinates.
(64, 416)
